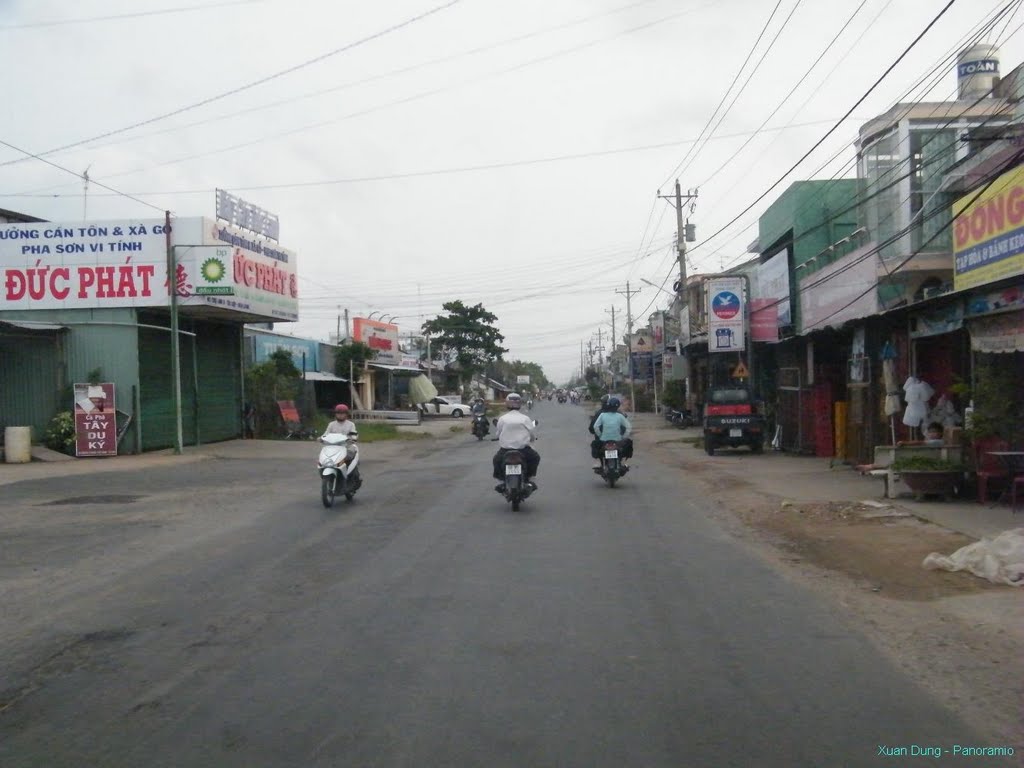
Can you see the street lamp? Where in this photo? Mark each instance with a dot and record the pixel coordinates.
(670, 293)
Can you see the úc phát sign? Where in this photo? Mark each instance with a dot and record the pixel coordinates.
(95, 420)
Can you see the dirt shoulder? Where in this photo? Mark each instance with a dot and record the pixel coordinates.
(958, 635)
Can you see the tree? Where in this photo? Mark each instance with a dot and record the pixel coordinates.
(469, 334)
(352, 357)
(265, 383)
(508, 371)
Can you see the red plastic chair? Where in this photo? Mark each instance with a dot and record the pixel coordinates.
(989, 468)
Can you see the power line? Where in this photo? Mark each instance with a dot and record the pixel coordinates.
(119, 16)
(1009, 164)
(253, 84)
(978, 32)
(725, 95)
(942, 62)
(746, 82)
(68, 170)
(833, 129)
(414, 97)
(374, 78)
(416, 174)
(792, 90)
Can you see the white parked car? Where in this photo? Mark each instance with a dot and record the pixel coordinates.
(445, 406)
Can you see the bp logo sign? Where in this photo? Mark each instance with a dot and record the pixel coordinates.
(213, 272)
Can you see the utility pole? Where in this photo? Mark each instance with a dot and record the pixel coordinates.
(629, 331)
(684, 233)
(615, 341)
(600, 347)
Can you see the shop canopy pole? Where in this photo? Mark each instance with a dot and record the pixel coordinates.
(172, 287)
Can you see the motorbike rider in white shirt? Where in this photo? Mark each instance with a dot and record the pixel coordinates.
(342, 425)
(515, 432)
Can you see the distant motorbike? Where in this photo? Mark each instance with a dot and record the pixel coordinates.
(681, 419)
(338, 477)
(480, 426)
(612, 467)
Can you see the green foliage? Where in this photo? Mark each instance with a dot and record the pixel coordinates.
(926, 464)
(674, 395)
(95, 376)
(469, 334)
(265, 384)
(507, 372)
(60, 433)
(284, 364)
(998, 409)
(376, 431)
(357, 353)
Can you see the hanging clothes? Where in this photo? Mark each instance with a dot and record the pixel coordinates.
(917, 393)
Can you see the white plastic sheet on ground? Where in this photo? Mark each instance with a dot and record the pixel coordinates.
(1000, 560)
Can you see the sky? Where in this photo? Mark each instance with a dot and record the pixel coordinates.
(502, 153)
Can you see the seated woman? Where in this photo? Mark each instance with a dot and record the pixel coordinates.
(932, 436)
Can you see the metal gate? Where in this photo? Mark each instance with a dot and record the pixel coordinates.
(788, 416)
(858, 388)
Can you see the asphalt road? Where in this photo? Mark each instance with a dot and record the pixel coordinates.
(224, 618)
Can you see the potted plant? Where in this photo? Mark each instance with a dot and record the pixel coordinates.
(928, 476)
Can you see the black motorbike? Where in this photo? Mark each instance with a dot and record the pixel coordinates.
(517, 485)
(480, 426)
(681, 419)
(612, 467)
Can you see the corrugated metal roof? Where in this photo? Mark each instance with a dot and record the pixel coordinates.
(321, 376)
(400, 368)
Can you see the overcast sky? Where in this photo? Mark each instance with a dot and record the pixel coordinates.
(543, 245)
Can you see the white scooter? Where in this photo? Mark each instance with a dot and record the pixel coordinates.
(338, 477)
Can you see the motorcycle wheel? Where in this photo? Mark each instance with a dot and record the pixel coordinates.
(350, 495)
(515, 504)
(709, 447)
(479, 436)
(610, 479)
(327, 491)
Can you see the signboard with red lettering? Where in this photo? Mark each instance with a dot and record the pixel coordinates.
(123, 263)
(381, 337)
(988, 232)
(47, 265)
(95, 420)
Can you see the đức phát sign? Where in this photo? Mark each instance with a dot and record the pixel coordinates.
(47, 265)
(95, 420)
(123, 263)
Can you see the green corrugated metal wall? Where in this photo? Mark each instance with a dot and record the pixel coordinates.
(217, 350)
(104, 339)
(30, 380)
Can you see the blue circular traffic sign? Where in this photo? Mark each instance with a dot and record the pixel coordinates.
(725, 305)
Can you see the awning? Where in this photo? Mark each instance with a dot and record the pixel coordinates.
(396, 368)
(27, 325)
(998, 333)
(321, 376)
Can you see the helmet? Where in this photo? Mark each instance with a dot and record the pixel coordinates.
(341, 408)
(604, 399)
(514, 401)
(614, 403)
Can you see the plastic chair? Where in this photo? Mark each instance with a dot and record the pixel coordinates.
(987, 467)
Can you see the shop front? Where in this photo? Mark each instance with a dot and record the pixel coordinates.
(93, 301)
